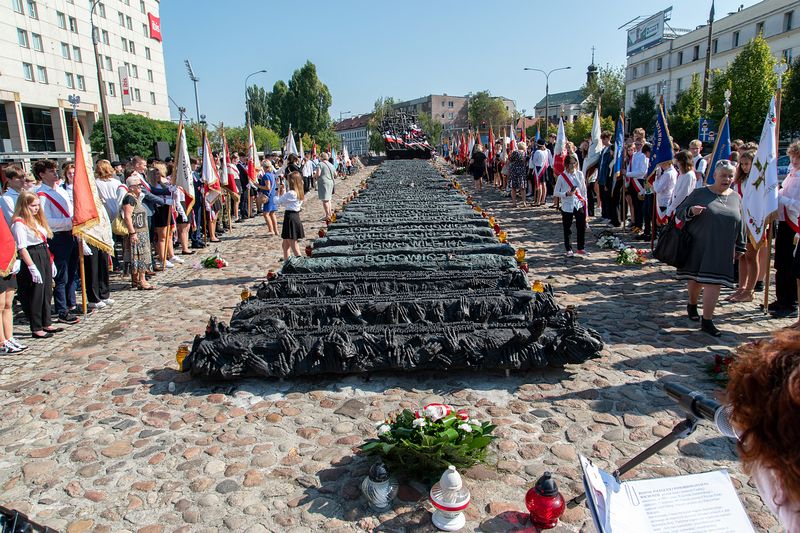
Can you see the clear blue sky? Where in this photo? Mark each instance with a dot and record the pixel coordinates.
(404, 48)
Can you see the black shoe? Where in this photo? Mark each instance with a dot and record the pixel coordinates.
(643, 237)
(759, 286)
(239, 220)
(68, 318)
(691, 310)
(709, 327)
(783, 312)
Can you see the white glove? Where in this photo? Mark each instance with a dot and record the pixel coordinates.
(54, 270)
(86, 249)
(35, 275)
(16, 267)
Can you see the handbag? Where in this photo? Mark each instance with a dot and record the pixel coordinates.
(118, 226)
(673, 245)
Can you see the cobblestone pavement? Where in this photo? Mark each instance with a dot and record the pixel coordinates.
(99, 432)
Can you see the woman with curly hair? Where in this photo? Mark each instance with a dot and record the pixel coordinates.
(764, 394)
(517, 168)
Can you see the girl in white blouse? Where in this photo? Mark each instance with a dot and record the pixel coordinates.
(571, 189)
(686, 181)
(292, 202)
(35, 279)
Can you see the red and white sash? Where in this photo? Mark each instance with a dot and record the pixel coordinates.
(58, 205)
(661, 219)
(577, 193)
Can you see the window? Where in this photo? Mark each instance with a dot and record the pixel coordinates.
(659, 63)
(101, 8)
(65, 50)
(18, 6)
(121, 18)
(680, 58)
(38, 129)
(635, 72)
(22, 38)
(70, 79)
(679, 85)
(129, 23)
(714, 46)
(32, 11)
(73, 25)
(759, 28)
(152, 98)
(137, 95)
(108, 63)
(105, 37)
(62, 20)
(37, 42)
(131, 47)
(450, 116)
(443, 103)
(27, 71)
(735, 39)
(141, 6)
(76, 54)
(41, 73)
(134, 71)
(147, 55)
(149, 75)
(787, 21)
(124, 44)
(81, 82)
(696, 53)
(647, 68)
(787, 56)
(144, 29)
(112, 90)
(450, 103)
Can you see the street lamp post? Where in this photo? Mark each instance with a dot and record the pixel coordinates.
(343, 113)
(101, 85)
(547, 94)
(194, 79)
(246, 99)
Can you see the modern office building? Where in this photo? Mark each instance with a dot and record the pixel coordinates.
(46, 55)
(662, 62)
(354, 133)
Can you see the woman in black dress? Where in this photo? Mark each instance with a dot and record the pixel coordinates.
(162, 216)
(478, 166)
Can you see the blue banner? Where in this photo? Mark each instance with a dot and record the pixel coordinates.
(722, 149)
(538, 136)
(706, 130)
(619, 147)
(662, 143)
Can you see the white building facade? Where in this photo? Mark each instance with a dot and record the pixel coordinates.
(354, 133)
(46, 54)
(667, 68)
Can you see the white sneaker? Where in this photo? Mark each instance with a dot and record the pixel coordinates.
(176, 259)
(109, 301)
(100, 305)
(10, 348)
(17, 344)
(570, 253)
(167, 264)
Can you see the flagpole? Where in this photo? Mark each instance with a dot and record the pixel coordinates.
(780, 69)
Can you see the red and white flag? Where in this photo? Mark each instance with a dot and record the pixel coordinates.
(230, 174)
(89, 219)
(253, 164)
(210, 175)
(512, 144)
(560, 149)
(182, 178)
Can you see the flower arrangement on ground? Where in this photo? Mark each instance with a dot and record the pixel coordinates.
(718, 370)
(214, 261)
(631, 256)
(610, 242)
(422, 444)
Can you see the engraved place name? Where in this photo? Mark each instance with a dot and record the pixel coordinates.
(421, 243)
(413, 228)
(404, 258)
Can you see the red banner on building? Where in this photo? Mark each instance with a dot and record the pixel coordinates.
(155, 27)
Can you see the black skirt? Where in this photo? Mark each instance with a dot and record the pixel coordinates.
(292, 226)
(8, 282)
(162, 216)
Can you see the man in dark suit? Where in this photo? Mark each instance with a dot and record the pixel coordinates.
(604, 178)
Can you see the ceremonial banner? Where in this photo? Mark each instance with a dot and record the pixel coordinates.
(253, 164)
(335, 159)
(512, 144)
(595, 148)
(182, 177)
(89, 219)
(560, 149)
(345, 155)
(470, 145)
(492, 153)
(760, 201)
(8, 249)
(662, 144)
(230, 174)
(210, 175)
(538, 136)
(722, 149)
(291, 147)
(619, 147)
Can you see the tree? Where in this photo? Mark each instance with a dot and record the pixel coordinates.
(580, 128)
(610, 83)
(307, 103)
(432, 128)
(238, 138)
(383, 106)
(487, 109)
(790, 106)
(276, 103)
(258, 103)
(135, 135)
(684, 116)
(643, 112)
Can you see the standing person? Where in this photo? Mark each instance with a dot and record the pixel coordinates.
(789, 205)
(108, 189)
(516, 173)
(137, 242)
(749, 268)
(162, 217)
(663, 187)
(198, 236)
(713, 218)
(571, 189)
(15, 184)
(35, 281)
(268, 185)
(183, 219)
(647, 202)
(325, 181)
(68, 176)
(308, 174)
(605, 179)
(698, 162)
(8, 286)
(684, 183)
(56, 203)
(540, 162)
(292, 202)
(478, 166)
(637, 168)
(244, 186)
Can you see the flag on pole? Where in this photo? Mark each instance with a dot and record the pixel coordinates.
(760, 200)
(662, 143)
(314, 150)
(300, 150)
(253, 164)
(291, 147)
(471, 144)
(722, 149)
(522, 136)
(183, 179)
(538, 136)
(345, 155)
(492, 153)
(210, 175)
(595, 148)
(512, 144)
(90, 219)
(619, 147)
(335, 159)
(560, 149)
(230, 174)
(8, 249)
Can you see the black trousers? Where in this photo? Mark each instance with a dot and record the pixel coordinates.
(580, 222)
(637, 217)
(615, 207)
(647, 213)
(96, 269)
(35, 297)
(592, 200)
(605, 199)
(308, 183)
(785, 281)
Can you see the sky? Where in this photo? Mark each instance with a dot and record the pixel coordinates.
(404, 49)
